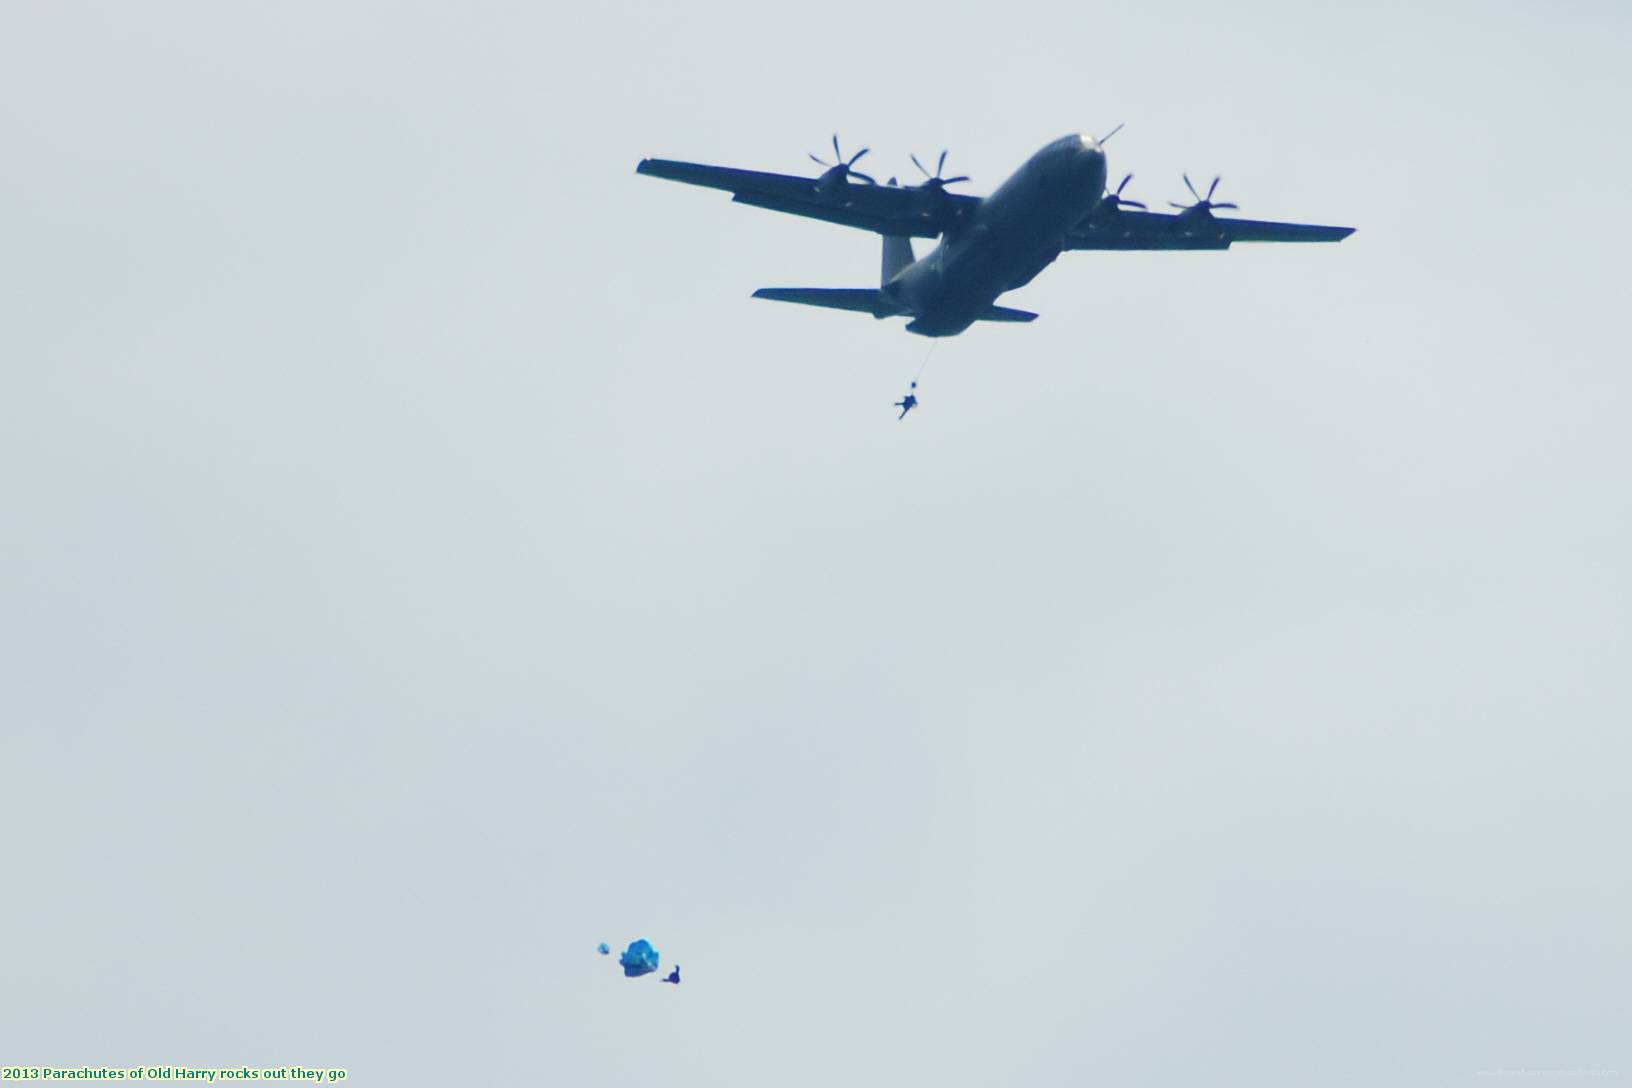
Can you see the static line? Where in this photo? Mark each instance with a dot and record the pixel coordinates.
(927, 355)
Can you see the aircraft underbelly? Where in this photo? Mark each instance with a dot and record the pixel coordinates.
(995, 260)
(1019, 231)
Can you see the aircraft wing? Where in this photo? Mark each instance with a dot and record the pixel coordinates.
(884, 209)
(1119, 228)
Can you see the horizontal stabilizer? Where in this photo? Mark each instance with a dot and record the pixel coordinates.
(1003, 313)
(865, 300)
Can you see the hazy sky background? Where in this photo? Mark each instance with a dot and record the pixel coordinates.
(422, 560)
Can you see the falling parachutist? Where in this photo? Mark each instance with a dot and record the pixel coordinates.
(907, 403)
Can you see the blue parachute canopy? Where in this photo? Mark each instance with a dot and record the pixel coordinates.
(640, 958)
(603, 948)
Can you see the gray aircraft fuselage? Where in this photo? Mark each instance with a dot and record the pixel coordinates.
(1013, 234)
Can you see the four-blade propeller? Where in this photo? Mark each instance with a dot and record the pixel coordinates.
(1204, 204)
(844, 167)
(936, 181)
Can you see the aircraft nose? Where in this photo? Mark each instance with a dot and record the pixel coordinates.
(1091, 161)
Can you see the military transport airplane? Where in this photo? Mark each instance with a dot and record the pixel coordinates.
(1056, 201)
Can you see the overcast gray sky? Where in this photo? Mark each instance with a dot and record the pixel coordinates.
(422, 560)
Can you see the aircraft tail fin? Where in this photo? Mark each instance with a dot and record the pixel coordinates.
(865, 300)
(897, 255)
